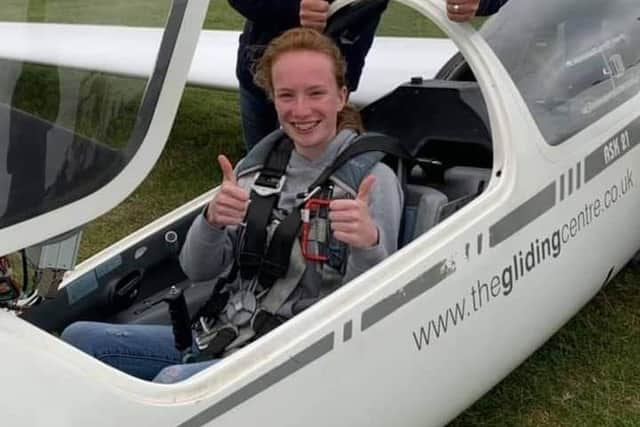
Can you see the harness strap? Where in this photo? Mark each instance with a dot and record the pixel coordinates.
(224, 337)
(276, 259)
(218, 298)
(283, 288)
(364, 144)
(280, 266)
(264, 196)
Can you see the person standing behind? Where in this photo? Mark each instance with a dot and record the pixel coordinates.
(266, 19)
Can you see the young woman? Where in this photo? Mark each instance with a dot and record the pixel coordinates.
(304, 73)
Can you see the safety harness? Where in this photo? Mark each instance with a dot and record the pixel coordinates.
(276, 248)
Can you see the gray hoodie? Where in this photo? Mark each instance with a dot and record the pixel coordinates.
(209, 250)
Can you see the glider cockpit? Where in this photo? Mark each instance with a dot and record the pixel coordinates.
(442, 124)
(507, 146)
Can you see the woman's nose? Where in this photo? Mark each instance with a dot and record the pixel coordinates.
(301, 106)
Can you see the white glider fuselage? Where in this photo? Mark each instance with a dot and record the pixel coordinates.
(418, 338)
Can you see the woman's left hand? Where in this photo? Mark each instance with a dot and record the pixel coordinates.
(350, 219)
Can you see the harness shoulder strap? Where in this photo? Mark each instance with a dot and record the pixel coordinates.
(258, 155)
(356, 161)
(265, 193)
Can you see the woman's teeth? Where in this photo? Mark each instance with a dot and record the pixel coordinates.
(306, 126)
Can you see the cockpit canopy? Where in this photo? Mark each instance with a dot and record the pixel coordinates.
(67, 132)
(572, 60)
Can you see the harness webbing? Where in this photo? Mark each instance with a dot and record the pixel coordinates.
(264, 199)
(276, 260)
(270, 264)
(365, 144)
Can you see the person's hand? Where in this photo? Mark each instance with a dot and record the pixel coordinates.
(350, 219)
(314, 14)
(229, 205)
(462, 10)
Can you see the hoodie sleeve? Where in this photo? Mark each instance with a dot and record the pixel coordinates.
(385, 207)
(207, 250)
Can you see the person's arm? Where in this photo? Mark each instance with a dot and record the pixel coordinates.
(209, 247)
(385, 208)
(207, 251)
(280, 13)
(489, 7)
(355, 51)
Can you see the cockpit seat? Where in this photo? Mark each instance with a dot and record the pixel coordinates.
(421, 211)
(462, 181)
(427, 206)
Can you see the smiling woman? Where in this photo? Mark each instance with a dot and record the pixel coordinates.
(325, 354)
(310, 226)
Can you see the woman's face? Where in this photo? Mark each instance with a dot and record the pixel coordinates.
(307, 99)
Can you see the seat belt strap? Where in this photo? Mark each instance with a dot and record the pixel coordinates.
(284, 287)
(223, 338)
(265, 193)
(276, 260)
(257, 220)
(363, 144)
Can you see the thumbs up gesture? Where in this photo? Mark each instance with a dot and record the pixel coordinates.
(350, 219)
(229, 205)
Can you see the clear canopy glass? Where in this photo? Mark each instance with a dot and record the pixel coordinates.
(572, 60)
(67, 130)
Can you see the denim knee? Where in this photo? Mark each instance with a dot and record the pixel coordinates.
(81, 335)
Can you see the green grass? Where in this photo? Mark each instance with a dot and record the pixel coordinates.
(588, 374)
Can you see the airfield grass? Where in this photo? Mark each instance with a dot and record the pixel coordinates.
(588, 374)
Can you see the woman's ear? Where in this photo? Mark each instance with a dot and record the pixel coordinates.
(343, 97)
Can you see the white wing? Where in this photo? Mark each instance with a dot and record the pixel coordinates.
(131, 51)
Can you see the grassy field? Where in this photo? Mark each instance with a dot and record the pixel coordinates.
(588, 374)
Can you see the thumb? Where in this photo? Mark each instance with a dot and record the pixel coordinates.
(227, 169)
(365, 188)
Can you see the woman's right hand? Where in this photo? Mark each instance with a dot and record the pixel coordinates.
(229, 205)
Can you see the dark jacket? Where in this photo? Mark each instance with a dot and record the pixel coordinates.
(489, 7)
(266, 19)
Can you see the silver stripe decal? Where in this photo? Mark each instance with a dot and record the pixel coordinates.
(260, 384)
(570, 189)
(408, 293)
(347, 331)
(523, 215)
(561, 186)
(609, 152)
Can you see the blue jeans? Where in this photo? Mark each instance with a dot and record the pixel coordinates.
(144, 351)
(258, 116)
